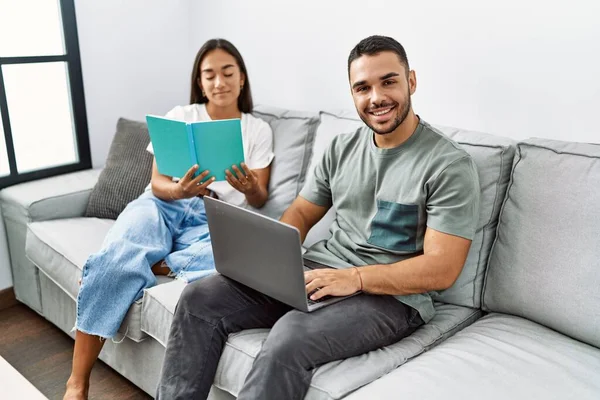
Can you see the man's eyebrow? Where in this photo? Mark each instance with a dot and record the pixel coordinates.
(383, 78)
(389, 75)
(357, 84)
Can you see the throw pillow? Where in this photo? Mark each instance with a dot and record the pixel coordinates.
(127, 171)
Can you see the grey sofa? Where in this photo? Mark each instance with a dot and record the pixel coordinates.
(522, 320)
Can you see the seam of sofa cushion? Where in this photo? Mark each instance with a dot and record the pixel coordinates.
(240, 349)
(50, 278)
(314, 122)
(540, 146)
(56, 282)
(516, 160)
(495, 204)
(504, 150)
(424, 349)
(54, 197)
(40, 269)
(307, 154)
(142, 318)
(49, 245)
(61, 287)
(312, 153)
(338, 117)
(313, 117)
(442, 337)
(28, 206)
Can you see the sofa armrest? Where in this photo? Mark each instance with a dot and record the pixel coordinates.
(63, 196)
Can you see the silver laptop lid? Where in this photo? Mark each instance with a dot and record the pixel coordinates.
(258, 251)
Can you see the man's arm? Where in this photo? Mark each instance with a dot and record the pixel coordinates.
(437, 269)
(303, 215)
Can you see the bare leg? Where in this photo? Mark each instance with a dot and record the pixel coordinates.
(85, 354)
(161, 268)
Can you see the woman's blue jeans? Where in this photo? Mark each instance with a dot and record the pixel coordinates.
(147, 231)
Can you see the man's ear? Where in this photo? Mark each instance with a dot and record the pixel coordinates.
(412, 81)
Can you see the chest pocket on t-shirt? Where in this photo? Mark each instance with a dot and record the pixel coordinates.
(395, 225)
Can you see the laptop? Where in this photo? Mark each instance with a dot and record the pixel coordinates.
(261, 253)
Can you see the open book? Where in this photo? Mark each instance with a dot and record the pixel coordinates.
(213, 145)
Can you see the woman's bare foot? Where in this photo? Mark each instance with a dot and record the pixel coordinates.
(76, 390)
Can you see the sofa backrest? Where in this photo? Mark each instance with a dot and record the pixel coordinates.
(493, 156)
(545, 262)
(333, 123)
(293, 135)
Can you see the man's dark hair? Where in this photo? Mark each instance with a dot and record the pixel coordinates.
(196, 97)
(376, 44)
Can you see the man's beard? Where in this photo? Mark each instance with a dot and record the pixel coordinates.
(400, 117)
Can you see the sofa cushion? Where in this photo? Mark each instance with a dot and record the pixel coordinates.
(158, 308)
(127, 171)
(493, 156)
(60, 248)
(332, 124)
(336, 379)
(498, 357)
(293, 135)
(545, 263)
(330, 381)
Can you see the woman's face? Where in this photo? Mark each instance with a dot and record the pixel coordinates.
(220, 78)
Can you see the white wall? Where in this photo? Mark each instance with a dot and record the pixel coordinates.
(513, 67)
(135, 61)
(5, 275)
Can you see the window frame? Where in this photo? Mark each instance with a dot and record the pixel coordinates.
(75, 81)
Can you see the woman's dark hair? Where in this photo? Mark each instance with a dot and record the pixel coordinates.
(245, 99)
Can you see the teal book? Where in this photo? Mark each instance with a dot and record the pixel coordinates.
(213, 145)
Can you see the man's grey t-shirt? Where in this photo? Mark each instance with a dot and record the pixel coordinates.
(386, 198)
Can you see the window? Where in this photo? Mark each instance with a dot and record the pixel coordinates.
(43, 125)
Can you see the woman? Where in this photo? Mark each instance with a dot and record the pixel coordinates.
(165, 231)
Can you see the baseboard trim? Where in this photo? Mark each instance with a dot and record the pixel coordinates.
(7, 298)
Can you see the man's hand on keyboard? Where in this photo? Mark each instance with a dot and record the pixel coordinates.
(332, 282)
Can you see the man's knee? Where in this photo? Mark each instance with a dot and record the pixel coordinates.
(202, 298)
(290, 341)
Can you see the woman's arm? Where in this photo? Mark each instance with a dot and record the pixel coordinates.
(260, 196)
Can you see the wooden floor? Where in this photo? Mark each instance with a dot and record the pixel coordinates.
(42, 353)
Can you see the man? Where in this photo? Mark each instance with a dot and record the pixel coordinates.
(406, 200)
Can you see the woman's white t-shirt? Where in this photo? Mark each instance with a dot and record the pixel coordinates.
(257, 138)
